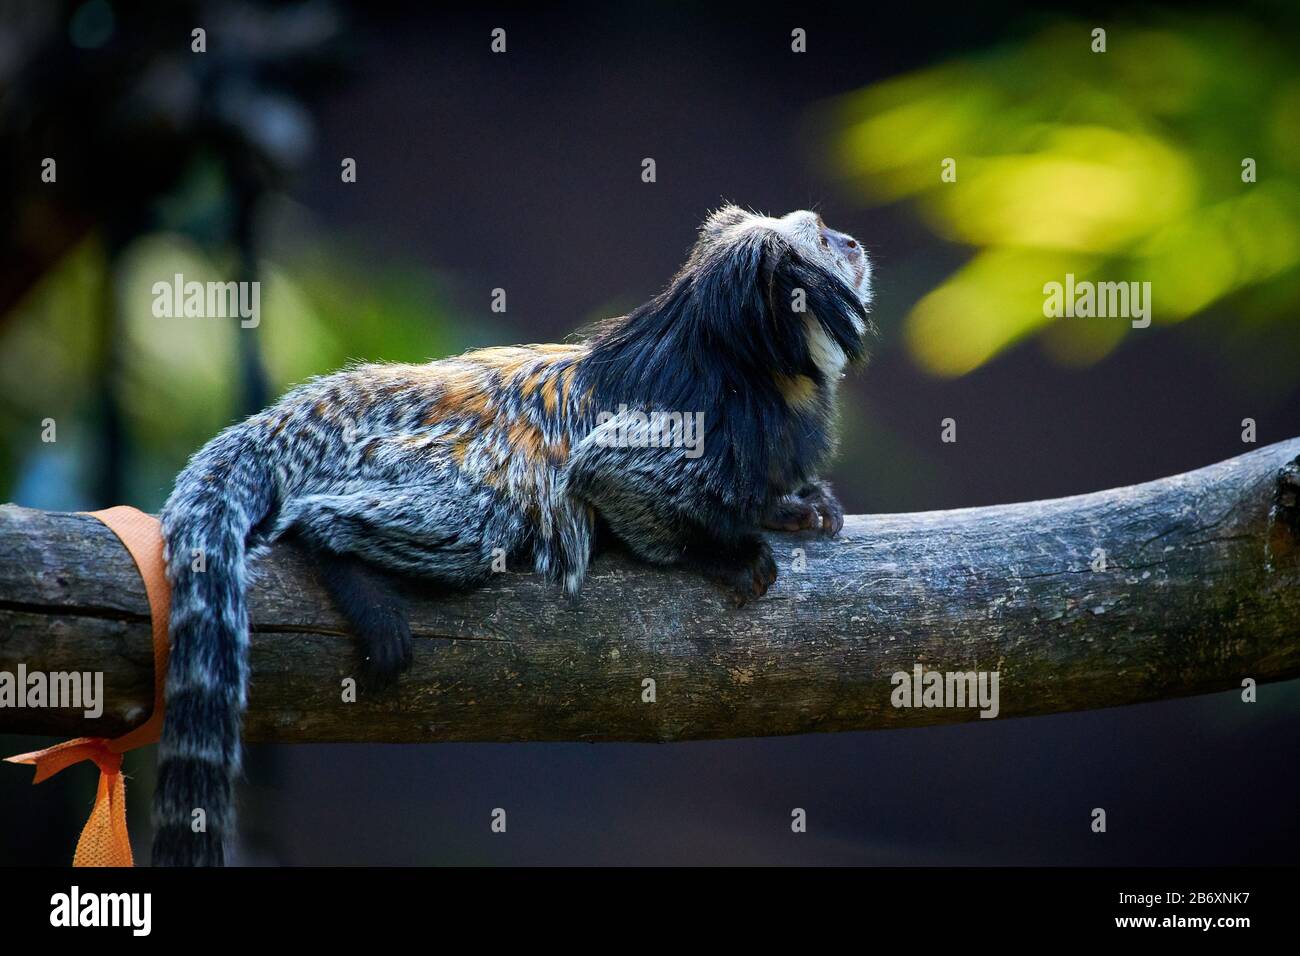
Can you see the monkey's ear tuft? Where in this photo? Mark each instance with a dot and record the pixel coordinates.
(798, 288)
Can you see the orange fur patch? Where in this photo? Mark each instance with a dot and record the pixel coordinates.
(549, 398)
(566, 381)
(799, 391)
(461, 390)
(526, 439)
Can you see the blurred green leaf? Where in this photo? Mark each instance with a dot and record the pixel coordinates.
(1120, 166)
(322, 306)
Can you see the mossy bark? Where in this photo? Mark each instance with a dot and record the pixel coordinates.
(1180, 586)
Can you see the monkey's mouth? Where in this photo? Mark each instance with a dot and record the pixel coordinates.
(859, 273)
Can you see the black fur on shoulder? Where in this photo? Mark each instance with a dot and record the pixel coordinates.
(713, 340)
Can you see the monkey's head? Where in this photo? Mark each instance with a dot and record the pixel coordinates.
(807, 236)
(757, 296)
(787, 292)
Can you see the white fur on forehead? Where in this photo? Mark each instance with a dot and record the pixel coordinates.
(799, 226)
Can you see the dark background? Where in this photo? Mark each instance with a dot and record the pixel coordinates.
(522, 171)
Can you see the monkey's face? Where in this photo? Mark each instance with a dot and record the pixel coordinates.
(837, 251)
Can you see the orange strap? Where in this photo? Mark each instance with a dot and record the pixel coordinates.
(104, 840)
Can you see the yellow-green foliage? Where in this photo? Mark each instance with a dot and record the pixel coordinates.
(1120, 166)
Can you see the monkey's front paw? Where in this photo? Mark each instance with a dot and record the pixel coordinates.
(753, 573)
(792, 514)
(830, 511)
(814, 508)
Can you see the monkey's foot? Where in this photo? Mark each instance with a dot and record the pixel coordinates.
(749, 574)
(385, 647)
(815, 508)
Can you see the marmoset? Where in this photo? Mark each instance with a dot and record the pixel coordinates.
(433, 470)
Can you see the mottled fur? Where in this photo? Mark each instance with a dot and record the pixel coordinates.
(426, 470)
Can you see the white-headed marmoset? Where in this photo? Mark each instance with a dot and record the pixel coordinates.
(432, 470)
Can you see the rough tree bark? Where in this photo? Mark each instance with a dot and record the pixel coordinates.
(1200, 590)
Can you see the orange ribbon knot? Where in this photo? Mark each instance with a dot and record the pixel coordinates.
(104, 840)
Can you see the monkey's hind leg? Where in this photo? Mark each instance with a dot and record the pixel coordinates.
(374, 611)
(432, 532)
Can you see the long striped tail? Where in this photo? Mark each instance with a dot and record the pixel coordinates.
(222, 494)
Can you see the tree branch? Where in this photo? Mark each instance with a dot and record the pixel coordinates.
(1200, 589)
